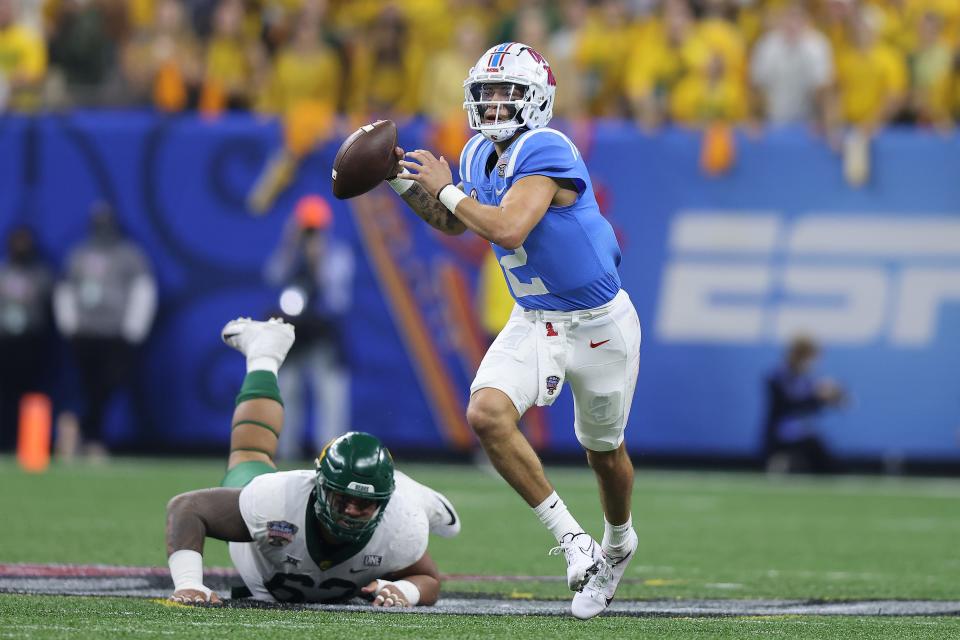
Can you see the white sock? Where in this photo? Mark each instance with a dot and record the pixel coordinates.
(263, 363)
(555, 517)
(616, 536)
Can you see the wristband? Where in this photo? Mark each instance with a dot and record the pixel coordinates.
(450, 196)
(408, 589)
(400, 185)
(186, 568)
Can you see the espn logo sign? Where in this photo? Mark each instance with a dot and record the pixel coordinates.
(752, 277)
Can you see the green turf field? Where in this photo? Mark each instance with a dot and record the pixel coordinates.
(704, 535)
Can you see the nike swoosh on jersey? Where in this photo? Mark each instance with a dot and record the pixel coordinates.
(453, 518)
(594, 345)
(357, 570)
(499, 191)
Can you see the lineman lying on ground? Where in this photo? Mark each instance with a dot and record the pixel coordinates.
(353, 527)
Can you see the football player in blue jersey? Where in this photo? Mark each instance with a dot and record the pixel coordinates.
(525, 188)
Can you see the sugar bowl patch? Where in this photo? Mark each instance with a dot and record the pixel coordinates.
(280, 532)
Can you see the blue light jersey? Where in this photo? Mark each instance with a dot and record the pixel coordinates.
(569, 261)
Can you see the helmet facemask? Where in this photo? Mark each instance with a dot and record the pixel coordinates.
(332, 506)
(504, 102)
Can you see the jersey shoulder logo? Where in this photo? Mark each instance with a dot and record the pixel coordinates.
(552, 383)
(280, 532)
(372, 560)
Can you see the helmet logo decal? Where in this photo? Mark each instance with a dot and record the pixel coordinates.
(551, 80)
(496, 57)
(359, 486)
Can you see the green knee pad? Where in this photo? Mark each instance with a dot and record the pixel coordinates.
(260, 384)
(240, 475)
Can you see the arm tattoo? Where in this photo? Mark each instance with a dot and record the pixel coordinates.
(213, 513)
(432, 211)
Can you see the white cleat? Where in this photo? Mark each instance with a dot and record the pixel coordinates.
(583, 558)
(598, 593)
(256, 339)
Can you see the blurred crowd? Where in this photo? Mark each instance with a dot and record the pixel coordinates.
(101, 306)
(693, 62)
(74, 335)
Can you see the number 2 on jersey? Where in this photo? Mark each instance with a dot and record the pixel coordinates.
(520, 289)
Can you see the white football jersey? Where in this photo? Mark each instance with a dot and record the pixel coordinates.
(277, 565)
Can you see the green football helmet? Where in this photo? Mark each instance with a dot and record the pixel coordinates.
(354, 472)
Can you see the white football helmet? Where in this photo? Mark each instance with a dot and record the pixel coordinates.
(515, 80)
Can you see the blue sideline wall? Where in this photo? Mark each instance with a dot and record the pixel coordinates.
(722, 270)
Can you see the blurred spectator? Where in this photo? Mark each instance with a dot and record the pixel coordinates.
(834, 20)
(23, 59)
(162, 63)
(305, 90)
(658, 63)
(792, 69)
(304, 70)
(26, 334)
(308, 60)
(314, 270)
(104, 306)
(233, 62)
(442, 96)
(386, 65)
(751, 18)
(719, 33)
(931, 71)
(716, 94)
(83, 52)
(561, 52)
(872, 77)
(431, 21)
(794, 396)
(141, 13)
(603, 44)
(898, 21)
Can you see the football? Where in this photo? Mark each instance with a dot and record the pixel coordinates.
(365, 159)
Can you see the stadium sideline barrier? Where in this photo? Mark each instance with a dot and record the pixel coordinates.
(723, 270)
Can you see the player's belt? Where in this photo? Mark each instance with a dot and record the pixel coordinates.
(577, 314)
